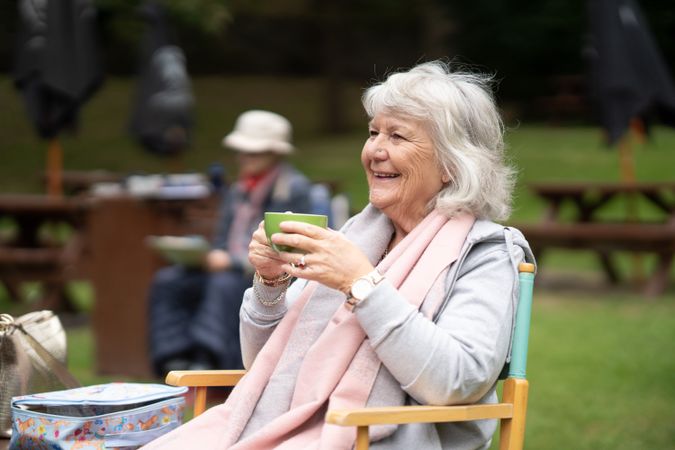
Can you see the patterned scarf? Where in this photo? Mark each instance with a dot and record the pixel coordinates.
(249, 211)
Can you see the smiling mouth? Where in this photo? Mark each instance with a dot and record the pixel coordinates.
(383, 175)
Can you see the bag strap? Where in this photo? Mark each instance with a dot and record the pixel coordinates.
(56, 366)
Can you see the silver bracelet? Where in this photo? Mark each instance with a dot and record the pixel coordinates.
(265, 300)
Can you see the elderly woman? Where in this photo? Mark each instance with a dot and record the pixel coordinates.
(413, 301)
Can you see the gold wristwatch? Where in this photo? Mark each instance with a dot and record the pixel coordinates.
(361, 289)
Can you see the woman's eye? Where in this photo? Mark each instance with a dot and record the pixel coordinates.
(372, 133)
(396, 137)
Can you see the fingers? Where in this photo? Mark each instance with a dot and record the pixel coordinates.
(259, 234)
(305, 229)
(297, 241)
(261, 256)
(298, 265)
(305, 237)
(261, 249)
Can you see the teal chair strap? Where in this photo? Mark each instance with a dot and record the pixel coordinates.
(518, 366)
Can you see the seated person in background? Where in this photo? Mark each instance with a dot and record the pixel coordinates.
(194, 313)
(411, 302)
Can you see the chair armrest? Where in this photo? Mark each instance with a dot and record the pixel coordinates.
(417, 414)
(201, 380)
(204, 377)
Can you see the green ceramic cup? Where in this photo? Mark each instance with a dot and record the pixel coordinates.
(273, 219)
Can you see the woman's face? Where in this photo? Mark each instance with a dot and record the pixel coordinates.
(401, 167)
(251, 164)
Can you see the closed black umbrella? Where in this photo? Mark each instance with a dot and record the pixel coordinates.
(57, 68)
(628, 76)
(629, 81)
(162, 116)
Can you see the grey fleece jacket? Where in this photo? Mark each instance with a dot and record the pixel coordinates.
(454, 359)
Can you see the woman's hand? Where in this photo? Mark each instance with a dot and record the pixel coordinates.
(263, 257)
(329, 257)
(218, 260)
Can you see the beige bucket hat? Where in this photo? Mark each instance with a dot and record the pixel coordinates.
(258, 131)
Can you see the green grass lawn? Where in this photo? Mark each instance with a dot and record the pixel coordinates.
(601, 360)
(601, 372)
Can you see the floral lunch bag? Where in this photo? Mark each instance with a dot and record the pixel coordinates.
(105, 416)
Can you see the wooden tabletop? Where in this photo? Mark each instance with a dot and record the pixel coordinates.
(583, 187)
(81, 180)
(40, 204)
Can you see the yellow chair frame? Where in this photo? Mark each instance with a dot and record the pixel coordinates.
(511, 411)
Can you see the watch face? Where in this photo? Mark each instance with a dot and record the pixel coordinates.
(361, 288)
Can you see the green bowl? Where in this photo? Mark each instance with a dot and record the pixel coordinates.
(273, 219)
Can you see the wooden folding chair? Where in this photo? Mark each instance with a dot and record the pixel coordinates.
(511, 411)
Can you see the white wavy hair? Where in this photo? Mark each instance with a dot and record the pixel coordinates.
(461, 116)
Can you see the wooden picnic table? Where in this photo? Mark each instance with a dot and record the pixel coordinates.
(27, 254)
(106, 244)
(589, 197)
(588, 231)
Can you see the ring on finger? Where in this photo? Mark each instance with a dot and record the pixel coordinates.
(302, 264)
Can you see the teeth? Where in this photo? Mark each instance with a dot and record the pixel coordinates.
(385, 175)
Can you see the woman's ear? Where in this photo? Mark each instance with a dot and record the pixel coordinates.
(445, 177)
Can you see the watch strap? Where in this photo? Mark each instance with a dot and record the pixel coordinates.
(374, 278)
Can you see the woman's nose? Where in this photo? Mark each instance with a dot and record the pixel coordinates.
(376, 149)
(380, 153)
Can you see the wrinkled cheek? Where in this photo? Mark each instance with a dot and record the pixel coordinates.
(412, 187)
(422, 180)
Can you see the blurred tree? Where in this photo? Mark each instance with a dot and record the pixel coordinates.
(122, 27)
(208, 16)
(331, 14)
(525, 43)
(528, 43)
(358, 36)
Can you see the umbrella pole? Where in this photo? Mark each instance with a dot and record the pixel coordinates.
(175, 164)
(637, 125)
(54, 165)
(627, 161)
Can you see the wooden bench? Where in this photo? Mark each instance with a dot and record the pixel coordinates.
(27, 256)
(607, 238)
(53, 267)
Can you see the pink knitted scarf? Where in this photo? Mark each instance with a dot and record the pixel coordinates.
(338, 369)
